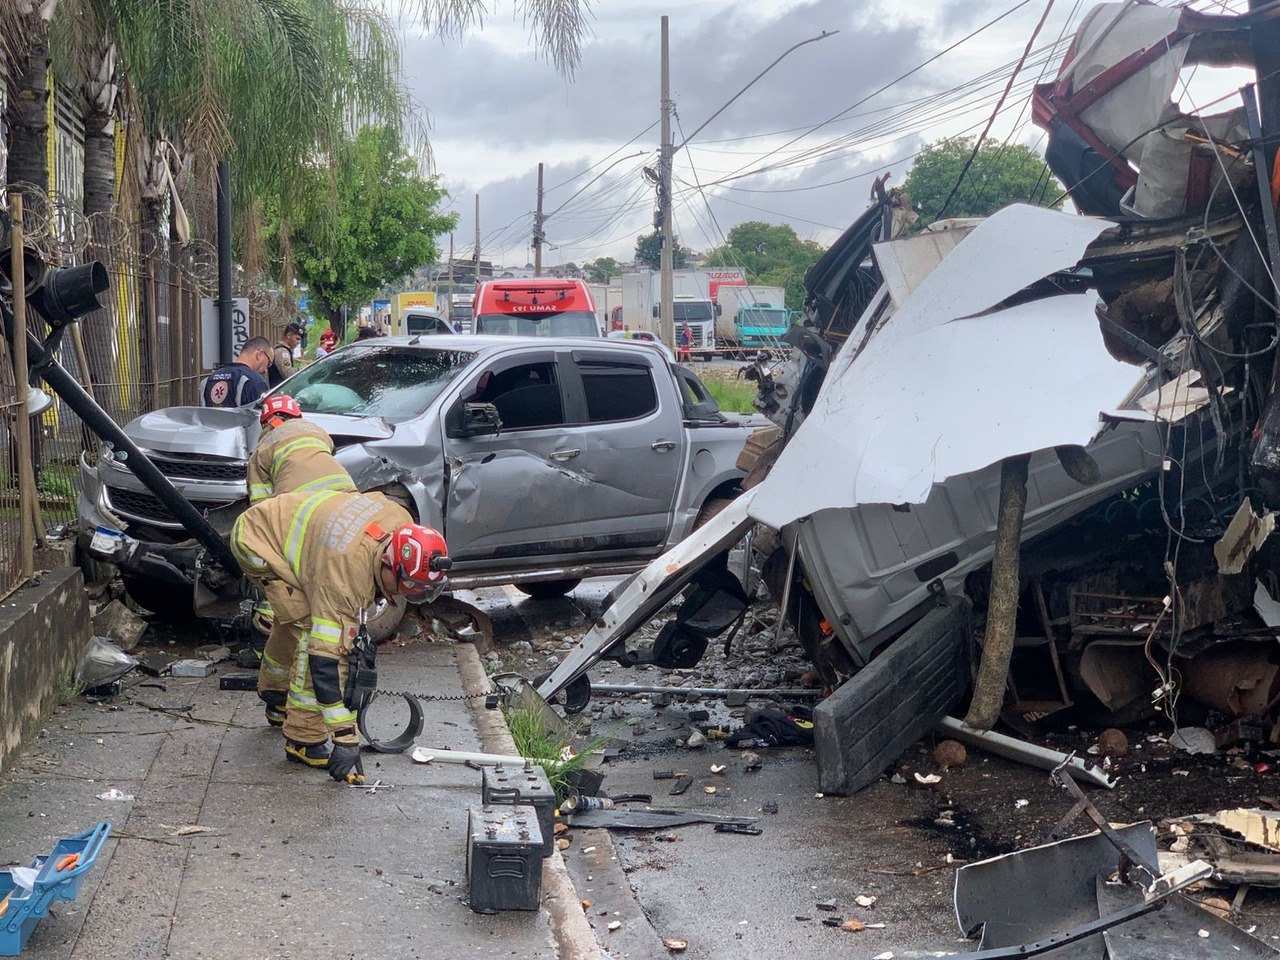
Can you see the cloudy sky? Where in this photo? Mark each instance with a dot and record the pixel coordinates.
(497, 109)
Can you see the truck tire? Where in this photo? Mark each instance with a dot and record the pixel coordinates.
(547, 589)
(383, 622)
(709, 510)
(169, 602)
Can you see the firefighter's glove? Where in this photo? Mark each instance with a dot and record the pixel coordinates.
(344, 763)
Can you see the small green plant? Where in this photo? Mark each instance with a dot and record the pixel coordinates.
(733, 395)
(547, 750)
(68, 687)
(55, 485)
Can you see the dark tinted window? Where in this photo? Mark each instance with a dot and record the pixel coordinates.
(617, 391)
(526, 396)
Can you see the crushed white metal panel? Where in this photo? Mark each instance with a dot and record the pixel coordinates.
(905, 263)
(1244, 535)
(1177, 399)
(945, 388)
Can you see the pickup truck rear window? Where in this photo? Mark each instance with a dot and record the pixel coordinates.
(617, 391)
(376, 381)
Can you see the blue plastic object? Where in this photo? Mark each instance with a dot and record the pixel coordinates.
(21, 910)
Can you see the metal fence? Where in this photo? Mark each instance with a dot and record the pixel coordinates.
(140, 352)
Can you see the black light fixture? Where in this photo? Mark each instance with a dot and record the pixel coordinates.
(69, 293)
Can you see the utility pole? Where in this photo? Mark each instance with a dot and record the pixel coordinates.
(477, 238)
(226, 334)
(666, 308)
(450, 263)
(537, 230)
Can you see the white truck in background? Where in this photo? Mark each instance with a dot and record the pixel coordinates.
(642, 292)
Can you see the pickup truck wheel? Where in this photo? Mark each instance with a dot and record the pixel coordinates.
(709, 510)
(385, 618)
(169, 602)
(547, 589)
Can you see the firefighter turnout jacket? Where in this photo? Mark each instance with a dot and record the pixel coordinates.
(319, 557)
(295, 457)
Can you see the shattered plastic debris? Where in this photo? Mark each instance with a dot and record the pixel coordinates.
(1019, 804)
(615, 925)
(864, 901)
(103, 662)
(928, 779)
(1193, 740)
(114, 794)
(675, 945)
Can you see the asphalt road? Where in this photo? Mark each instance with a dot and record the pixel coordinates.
(733, 897)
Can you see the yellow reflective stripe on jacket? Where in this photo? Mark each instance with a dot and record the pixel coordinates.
(333, 481)
(260, 491)
(298, 529)
(326, 629)
(246, 556)
(302, 443)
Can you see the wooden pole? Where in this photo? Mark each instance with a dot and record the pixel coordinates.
(22, 422)
(1002, 611)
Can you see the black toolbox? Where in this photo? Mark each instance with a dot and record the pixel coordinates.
(527, 785)
(504, 858)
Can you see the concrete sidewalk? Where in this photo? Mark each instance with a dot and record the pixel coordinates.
(293, 864)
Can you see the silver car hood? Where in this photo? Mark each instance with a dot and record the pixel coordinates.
(209, 431)
(232, 432)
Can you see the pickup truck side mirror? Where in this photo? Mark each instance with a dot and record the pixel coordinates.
(655, 311)
(480, 420)
(719, 309)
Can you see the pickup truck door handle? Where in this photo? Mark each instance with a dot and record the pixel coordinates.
(662, 446)
(563, 455)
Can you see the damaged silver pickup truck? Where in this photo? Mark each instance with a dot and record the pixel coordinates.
(541, 463)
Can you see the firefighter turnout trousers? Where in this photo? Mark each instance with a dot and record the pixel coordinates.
(317, 558)
(295, 457)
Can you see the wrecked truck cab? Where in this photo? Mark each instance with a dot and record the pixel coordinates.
(602, 456)
(881, 505)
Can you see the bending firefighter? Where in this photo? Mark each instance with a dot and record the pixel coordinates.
(293, 455)
(322, 559)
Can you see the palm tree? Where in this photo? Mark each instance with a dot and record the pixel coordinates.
(559, 26)
(28, 58)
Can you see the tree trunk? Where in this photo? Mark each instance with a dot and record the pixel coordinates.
(99, 161)
(29, 110)
(99, 109)
(1002, 610)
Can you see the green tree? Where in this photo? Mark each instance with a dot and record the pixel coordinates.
(772, 254)
(649, 252)
(373, 219)
(600, 269)
(1001, 174)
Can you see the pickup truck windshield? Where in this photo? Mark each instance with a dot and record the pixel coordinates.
(568, 323)
(376, 381)
(693, 312)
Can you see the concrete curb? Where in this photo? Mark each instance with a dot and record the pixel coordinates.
(575, 940)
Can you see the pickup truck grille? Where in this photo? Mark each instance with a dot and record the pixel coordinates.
(147, 508)
(200, 469)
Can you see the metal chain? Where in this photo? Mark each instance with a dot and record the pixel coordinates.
(457, 698)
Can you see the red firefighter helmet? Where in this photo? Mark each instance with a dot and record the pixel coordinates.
(280, 405)
(420, 560)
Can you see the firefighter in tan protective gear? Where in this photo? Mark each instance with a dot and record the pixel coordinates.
(323, 558)
(293, 455)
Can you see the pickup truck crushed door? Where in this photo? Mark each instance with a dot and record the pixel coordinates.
(631, 444)
(510, 495)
